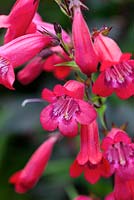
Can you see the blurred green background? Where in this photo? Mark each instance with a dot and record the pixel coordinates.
(20, 129)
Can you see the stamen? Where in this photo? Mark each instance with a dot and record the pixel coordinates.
(26, 101)
(65, 107)
(119, 74)
(4, 63)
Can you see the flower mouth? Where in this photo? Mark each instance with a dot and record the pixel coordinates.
(120, 154)
(65, 107)
(4, 67)
(118, 75)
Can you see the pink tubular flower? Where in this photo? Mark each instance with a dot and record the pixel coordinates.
(26, 75)
(66, 108)
(19, 18)
(83, 197)
(26, 178)
(83, 45)
(119, 151)
(19, 51)
(117, 69)
(123, 190)
(31, 71)
(90, 160)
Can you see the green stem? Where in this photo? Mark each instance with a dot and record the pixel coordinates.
(71, 192)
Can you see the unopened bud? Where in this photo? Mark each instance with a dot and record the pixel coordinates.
(57, 28)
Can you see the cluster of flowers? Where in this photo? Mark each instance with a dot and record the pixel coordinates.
(29, 39)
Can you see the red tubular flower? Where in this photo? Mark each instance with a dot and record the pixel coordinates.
(58, 56)
(90, 147)
(26, 178)
(123, 190)
(119, 151)
(90, 160)
(83, 45)
(19, 51)
(83, 197)
(19, 18)
(66, 109)
(117, 70)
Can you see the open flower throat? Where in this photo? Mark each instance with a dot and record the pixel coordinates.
(65, 107)
(4, 65)
(120, 154)
(118, 75)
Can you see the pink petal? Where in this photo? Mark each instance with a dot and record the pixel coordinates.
(35, 166)
(22, 49)
(92, 175)
(82, 157)
(31, 71)
(75, 89)
(22, 11)
(83, 45)
(47, 121)
(87, 113)
(48, 95)
(49, 64)
(126, 91)
(4, 21)
(68, 128)
(75, 169)
(62, 72)
(107, 49)
(7, 76)
(94, 152)
(100, 88)
(15, 177)
(60, 90)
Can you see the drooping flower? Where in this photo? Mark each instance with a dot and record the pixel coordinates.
(84, 52)
(119, 151)
(31, 71)
(27, 178)
(19, 51)
(90, 160)
(19, 18)
(123, 190)
(66, 108)
(117, 69)
(26, 75)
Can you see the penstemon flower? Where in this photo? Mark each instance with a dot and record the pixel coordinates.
(123, 190)
(66, 108)
(19, 18)
(84, 52)
(26, 178)
(90, 160)
(117, 69)
(119, 151)
(19, 51)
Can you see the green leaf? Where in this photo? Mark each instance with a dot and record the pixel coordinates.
(71, 64)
